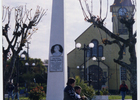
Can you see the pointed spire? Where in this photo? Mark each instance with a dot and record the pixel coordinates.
(122, 3)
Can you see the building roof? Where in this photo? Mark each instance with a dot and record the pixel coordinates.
(122, 3)
(83, 32)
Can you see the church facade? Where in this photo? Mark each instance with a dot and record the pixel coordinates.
(106, 72)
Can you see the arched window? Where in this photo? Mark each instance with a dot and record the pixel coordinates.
(95, 48)
(100, 49)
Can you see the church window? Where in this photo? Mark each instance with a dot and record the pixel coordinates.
(122, 30)
(123, 73)
(95, 48)
(100, 49)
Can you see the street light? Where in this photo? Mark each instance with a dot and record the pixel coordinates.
(85, 48)
(98, 59)
(78, 67)
(27, 64)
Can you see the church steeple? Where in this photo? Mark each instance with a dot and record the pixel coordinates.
(119, 9)
(122, 3)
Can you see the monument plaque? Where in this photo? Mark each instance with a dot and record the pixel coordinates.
(56, 64)
(56, 60)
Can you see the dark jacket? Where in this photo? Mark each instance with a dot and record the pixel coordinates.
(69, 93)
(10, 87)
(123, 87)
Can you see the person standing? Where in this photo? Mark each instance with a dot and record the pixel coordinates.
(10, 89)
(123, 89)
(16, 91)
(69, 93)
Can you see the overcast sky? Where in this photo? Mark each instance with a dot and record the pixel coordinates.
(75, 24)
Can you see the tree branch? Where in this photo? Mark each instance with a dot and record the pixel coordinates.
(99, 23)
(123, 64)
(122, 47)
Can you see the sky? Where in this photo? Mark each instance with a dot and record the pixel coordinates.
(74, 23)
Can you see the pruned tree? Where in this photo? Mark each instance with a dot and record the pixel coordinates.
(18, 26)
(130, 42)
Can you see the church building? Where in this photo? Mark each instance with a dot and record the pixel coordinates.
(102, 72)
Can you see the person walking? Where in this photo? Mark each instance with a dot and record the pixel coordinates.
(10, 89)
(16, 91)
(123, 89)
(69, 93)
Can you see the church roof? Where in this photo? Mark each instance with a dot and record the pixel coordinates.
(122, 3)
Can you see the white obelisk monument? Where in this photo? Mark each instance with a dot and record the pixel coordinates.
(57, 68)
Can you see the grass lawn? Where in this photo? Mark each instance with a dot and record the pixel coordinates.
(119, 97)
(110, 97)
(25, 98)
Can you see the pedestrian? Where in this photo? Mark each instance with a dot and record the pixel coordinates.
(123, 89)
(69, 93)
(78, 92)
(16, 91)
(10, 89)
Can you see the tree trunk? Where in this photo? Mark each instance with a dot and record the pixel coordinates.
(134, 96)
(134, 88)
(134, 83)
(4, 89)
(8, 77)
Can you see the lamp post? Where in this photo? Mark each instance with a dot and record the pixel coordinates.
(90, 76)
(85, 48)
(18, 60)
(98, 60)
(28, 65)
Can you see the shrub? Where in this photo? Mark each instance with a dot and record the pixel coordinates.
(22, 90)
(36, 93)
(104, 91)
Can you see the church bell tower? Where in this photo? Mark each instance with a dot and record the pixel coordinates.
(121, 8)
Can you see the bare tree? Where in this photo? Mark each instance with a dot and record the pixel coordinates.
(121, 42)
(18, 27)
